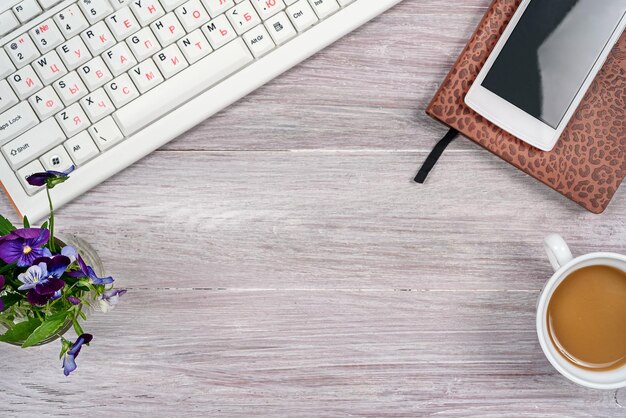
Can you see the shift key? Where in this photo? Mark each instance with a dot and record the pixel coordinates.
(16, 120)
(33, 143)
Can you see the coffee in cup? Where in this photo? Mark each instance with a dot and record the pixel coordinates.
(581, 316)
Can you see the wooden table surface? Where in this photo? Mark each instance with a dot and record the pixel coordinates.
(280, 261)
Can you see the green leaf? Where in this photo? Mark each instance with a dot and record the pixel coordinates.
(78, 328)
(21, 331)
(44, 225)
(47, 329)
(26, 223)
(11, 299)
(6, 268)
(65, 346)
(5, 226)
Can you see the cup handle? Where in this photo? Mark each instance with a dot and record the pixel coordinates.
(557, 250)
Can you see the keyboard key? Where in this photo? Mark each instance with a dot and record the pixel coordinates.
(72, 120)
(95, 73)
(98, 38)
(16, 120)
(119, 59)
(95, 10)
(71, 21)
(47, 4)
(56, 159)
(97, 105)
(182, 87)
(106, 133)
(26, 10)
(25, 82)
(28, 170)
(33, 143)
(268, 8)
(143, 44)
(74, 53)
(170, 5)
(118, 4)
(123, 24)
(7, 97)
(219, 32)
(146, 76)
(258, 41)
(6, 66)
(81, 148)
(243, 17)
(8, 22)
(192, 15)
(49, 67)
(302, 15)
(280, 28)
(194, 46)
(324, 8)
(217, 7)
(121, 90)
(170, 61)
(46, 36)
(70, 88)
(147, 11)
(22, 50)
(46, 103)
(167, 29)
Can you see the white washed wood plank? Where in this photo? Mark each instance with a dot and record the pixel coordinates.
(331, 220)
(194, 353)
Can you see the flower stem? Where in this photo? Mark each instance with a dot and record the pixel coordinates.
(51, 222)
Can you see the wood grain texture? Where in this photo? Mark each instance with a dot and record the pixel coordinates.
(280, 262)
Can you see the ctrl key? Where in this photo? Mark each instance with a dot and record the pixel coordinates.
(27, 170)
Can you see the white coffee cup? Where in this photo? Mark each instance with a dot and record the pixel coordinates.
(564, 264)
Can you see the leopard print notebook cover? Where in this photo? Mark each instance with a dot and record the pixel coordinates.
(588, 163)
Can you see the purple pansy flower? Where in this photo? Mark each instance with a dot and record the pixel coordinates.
(87, 271)
(23, 246)
(50, 177)
(69, 360)
(43, 280)
(109, 299)
(2, 281)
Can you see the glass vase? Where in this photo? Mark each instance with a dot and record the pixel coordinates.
(91, 258)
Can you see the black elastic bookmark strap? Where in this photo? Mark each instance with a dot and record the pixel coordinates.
(434, 155)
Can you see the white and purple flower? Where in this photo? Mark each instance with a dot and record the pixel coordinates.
(33, 276)
(43, 280)
(109, 299)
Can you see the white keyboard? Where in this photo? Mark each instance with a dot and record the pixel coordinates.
(100, 84)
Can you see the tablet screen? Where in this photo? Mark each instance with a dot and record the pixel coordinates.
(549, 54)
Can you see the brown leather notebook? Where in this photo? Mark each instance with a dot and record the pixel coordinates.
(588, 163)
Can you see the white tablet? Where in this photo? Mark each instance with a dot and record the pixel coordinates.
(544, 63)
